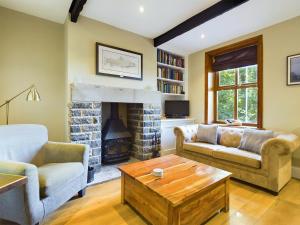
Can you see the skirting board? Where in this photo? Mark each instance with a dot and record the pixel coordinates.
(296, 172)
(167, 152)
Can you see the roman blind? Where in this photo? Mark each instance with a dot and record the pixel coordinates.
(239, 58)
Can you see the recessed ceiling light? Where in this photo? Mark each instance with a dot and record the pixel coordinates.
(202, 36)
(142, 9)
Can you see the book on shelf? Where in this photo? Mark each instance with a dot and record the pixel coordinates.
(170, 59)
(168, 73)
(169, 88)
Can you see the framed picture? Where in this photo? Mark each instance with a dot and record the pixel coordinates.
(118, 62)
(293, 70)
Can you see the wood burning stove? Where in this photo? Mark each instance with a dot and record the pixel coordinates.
(116, 139)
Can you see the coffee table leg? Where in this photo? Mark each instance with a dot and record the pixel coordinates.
(227, 182)
(122, 188)
(173, 215)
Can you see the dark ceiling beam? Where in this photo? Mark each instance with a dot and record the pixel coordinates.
(217, 9)
(75, 9)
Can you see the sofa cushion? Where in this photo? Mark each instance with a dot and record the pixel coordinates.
(54, 176)
(238, 156)
(253, 140)
(230, 137)
(207, 133)
(202, 148)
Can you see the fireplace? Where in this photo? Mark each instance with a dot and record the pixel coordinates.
(86, 121)
(116, 139)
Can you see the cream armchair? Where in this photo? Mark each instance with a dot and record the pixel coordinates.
(272, 169)
(56, 172)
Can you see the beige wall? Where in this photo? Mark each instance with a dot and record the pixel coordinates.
(52, 56)
(32, 52)
(82, 38)
(281, 103)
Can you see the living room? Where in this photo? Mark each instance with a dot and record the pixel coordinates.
(189, 119)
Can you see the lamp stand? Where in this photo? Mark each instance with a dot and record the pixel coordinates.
(6, 104)
(7, 113)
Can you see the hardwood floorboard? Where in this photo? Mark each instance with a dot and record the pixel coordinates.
(248, 206)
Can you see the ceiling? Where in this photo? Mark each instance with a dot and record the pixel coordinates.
(53, 10)
(247, 18)
(160, 16)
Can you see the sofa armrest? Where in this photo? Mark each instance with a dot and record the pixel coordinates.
(275, 146)
(187, 132)
(283, 144)
(31, 200)
(276, 160)
(184, 134)
(277, 151)
(56, 152)
(292, 140)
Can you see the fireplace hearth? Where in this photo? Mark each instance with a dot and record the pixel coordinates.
(116, 139)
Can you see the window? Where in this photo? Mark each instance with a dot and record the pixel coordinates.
(236, 94)
(233, 83)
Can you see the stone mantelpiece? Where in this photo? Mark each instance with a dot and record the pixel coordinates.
(95, 93)
(85, 118)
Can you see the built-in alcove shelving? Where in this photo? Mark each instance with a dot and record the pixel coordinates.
(170, 73)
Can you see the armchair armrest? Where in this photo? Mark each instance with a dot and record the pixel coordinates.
(31, 200)
(55, 152)
(18, 168)
(65, 152)
(184, 134)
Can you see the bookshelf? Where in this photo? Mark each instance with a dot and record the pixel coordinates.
(170, 66)
(170, 73)
(171, 80)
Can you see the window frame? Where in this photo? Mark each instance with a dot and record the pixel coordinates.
(235, 88)
(210, 115)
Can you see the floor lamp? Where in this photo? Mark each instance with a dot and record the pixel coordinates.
(33, 95)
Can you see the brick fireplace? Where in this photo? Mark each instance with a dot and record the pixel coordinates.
(143, 118)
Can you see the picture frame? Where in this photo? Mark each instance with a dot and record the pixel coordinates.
(293, 70)
(118, 62)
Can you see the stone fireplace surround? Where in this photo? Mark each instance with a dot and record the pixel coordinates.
(85, 118)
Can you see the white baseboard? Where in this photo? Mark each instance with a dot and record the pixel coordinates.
(296, 172)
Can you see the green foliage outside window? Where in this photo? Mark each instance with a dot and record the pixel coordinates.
(247, 105)
(247, 97)
(247, 75)
(227, 77)
(225, 105)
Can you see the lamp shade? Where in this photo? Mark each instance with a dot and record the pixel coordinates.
(33, 95)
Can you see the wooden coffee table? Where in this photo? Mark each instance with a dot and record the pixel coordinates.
(189, 192)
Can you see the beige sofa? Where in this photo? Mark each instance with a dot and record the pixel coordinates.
(270, 170)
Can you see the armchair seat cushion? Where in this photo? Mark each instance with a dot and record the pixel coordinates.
(54, 176)
(241, 157)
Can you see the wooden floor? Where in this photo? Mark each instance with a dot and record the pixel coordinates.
(101, 206)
